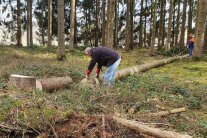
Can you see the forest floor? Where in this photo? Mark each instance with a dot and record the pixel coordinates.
(77, 111)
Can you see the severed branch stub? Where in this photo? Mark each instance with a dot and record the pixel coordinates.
(21, 81)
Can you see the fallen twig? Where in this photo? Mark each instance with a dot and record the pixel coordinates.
(103, 126)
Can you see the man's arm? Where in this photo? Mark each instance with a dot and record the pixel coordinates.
(92, 64)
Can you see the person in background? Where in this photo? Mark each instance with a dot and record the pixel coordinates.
(191, 45)
(103, 56)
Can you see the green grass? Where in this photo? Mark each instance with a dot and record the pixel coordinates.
(179, 84)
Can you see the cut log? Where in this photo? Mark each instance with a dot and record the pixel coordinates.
(144, 129)
(53, 84)
(20, 81)
(140, 68)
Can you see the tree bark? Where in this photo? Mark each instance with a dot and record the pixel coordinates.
(49, 29)
(127, 30)
(24, 82)
(161, 24)
(140, 68)
(141, 25)
(177, 25)
(110, 24)
(72, 24)
(28, 23)
(53, 84)
(205, 39)
(103, 22)
(190, 18)
(116, 24)
(170, 25)
(200, 25)
(42, 23)
(97, 22)
(153, 27)
(31, 24)
(131, 46)
(182, 35)
(19, 26)
(145, 26)
(144, 129)
(61, 31)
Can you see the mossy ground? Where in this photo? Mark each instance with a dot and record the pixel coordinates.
(179, 84)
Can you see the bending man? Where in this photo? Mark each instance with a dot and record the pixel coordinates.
(103, 56)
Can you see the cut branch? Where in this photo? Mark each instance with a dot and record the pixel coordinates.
(144, 129)
(164, 113)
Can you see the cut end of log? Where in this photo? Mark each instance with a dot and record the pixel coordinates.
(21, 81)
(38, 85)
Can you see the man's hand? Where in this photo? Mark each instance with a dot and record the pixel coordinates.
(88, 72)
(97, 76)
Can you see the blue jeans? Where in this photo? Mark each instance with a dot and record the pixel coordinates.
(190, 51)
(110, 74)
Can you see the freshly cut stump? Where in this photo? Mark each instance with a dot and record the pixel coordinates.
(91, 82)
(53, 84)
(20, 81)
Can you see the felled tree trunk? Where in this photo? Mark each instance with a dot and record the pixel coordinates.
(140, 68)
(144, 129)
(52, 84)
(20, 81)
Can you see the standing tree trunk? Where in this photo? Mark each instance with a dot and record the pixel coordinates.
(31, 25)
(110, 24)
(153, 26)
(72, 24)
(190, 18)
(169, 25)
(131, 24)
(19, 26)
(127, 31)
(61, 31)
(200, 25)
(177, 25)
(182, 35)
(28, 23)
(49, 29)
(103, 29)
(161, 24)
(145, 25)
(116, 24)
(42, 22)
(205, 39)
(141, 25)
(173, 25)
(97, 22)
(164, 30)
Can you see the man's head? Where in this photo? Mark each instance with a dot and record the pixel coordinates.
(88, 51)
(191, 35)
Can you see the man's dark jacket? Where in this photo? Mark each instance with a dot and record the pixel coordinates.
(103, 56)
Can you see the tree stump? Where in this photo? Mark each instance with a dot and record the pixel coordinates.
(91, 82)
(53, 84)
(20, 81)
